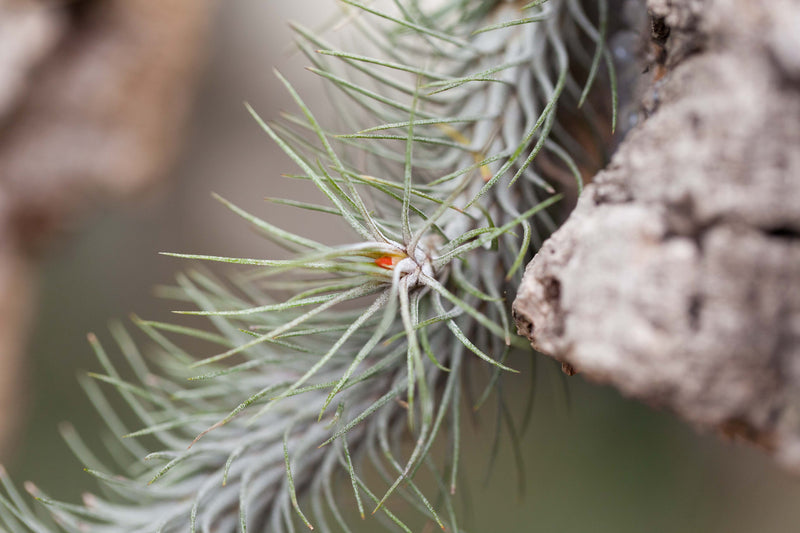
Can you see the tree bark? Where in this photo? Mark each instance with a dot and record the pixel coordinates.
(93, 94)
(677, 277)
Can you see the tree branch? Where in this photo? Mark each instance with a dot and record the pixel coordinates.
(677, 277)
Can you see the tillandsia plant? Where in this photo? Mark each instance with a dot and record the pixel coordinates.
(337, 394)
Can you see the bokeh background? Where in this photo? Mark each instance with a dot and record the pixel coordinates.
(593, 461)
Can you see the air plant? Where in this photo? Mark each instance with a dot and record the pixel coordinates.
(361, 367)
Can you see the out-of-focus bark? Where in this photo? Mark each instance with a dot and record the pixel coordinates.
(677, 277)
(93, 95)
(16, 306)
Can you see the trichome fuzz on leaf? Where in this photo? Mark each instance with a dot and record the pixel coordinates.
(444, 110)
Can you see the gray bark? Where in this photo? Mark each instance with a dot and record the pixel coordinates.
(677, 277)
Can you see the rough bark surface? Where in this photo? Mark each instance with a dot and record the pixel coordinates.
(677, 277)
(92, 96)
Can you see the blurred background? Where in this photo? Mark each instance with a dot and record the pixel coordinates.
(593, 461)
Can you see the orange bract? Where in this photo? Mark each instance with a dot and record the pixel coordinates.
(386, 261)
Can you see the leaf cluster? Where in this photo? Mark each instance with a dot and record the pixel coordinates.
(444, 110)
